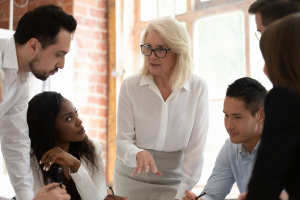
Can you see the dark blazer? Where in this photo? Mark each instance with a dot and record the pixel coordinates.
(277, 164)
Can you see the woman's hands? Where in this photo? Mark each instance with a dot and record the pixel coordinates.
(59, 156)
(144, 160)
(52, 192)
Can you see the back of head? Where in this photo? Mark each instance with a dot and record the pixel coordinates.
(277, 10)
(177, 39)
(280, 46)
(256, 6)
(250, 91)
(44, 23)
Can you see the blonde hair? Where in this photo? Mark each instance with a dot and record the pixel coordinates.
(177, 39)
(280, 46)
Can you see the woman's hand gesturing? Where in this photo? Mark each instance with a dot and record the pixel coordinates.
(144, 160)
(59, 156)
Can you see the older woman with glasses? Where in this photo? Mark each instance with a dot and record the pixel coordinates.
(162, 119)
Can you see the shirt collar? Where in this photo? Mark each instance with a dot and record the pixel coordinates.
(10, 60)
(148, 80)
(243, 149)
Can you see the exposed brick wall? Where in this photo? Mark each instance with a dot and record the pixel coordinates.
(90, 83)
(91, 67)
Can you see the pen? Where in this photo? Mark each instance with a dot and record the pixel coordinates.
(60, 177)
(109, 186)
(201, 195)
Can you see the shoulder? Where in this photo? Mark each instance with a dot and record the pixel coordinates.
(283, 97)
(197, 80)
(284, 92)
(133, 80)
(97, 145)
(196, 83)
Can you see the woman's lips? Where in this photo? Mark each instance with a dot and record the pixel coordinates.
(82, 131)
(154, 65)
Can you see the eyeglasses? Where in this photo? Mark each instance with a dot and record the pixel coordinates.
(258, 35)
(159, 52)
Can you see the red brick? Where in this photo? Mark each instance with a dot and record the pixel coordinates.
(100, 89)
(103, 36)
(94, 35)
(96, 123)
(102, 25)
(97, 100)
(101, 68)
(98, 56)
(102, 46)
(88, 2)
(100, 14)
(79, 9)
(87, 110)
(101, 112)
(81, 32)
(68, 8)
(84, 21)
(102, 4)
(4, 24)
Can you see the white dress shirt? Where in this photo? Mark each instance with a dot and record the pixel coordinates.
(90, 185)
(146, 121)
(15, 142)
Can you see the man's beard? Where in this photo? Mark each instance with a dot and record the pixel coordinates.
(33, 67)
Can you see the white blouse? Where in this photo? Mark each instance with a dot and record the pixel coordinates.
(146, 121)
(91, 185)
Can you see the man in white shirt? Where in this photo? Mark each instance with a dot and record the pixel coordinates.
(39, 45)
(244, 117)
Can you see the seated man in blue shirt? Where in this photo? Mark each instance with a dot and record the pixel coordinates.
(244, 117)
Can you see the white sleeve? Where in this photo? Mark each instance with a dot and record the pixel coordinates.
(35, 172)
(125, 139)
(193, 155)
(15, 146)
(94, 187)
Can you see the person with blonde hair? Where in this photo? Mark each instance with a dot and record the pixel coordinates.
(162, 119)
(277, 163)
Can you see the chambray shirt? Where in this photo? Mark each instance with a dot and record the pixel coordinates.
(233, 164)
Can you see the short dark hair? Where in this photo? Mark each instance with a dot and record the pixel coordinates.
(258, 5)
(44, 23)
(250, 91)
(277, 10)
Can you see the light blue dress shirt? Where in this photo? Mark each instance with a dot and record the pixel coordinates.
(233, 164)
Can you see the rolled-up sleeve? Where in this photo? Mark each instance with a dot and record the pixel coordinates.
(192, 163)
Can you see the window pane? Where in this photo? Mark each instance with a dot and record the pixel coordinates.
(166, 8)
(148, 10)
(256, 60)
(180, 7)
(219, 51)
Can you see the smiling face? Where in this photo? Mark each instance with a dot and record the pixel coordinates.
(49, 60)
(159, 66)
(241, 126)
(68, 127)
